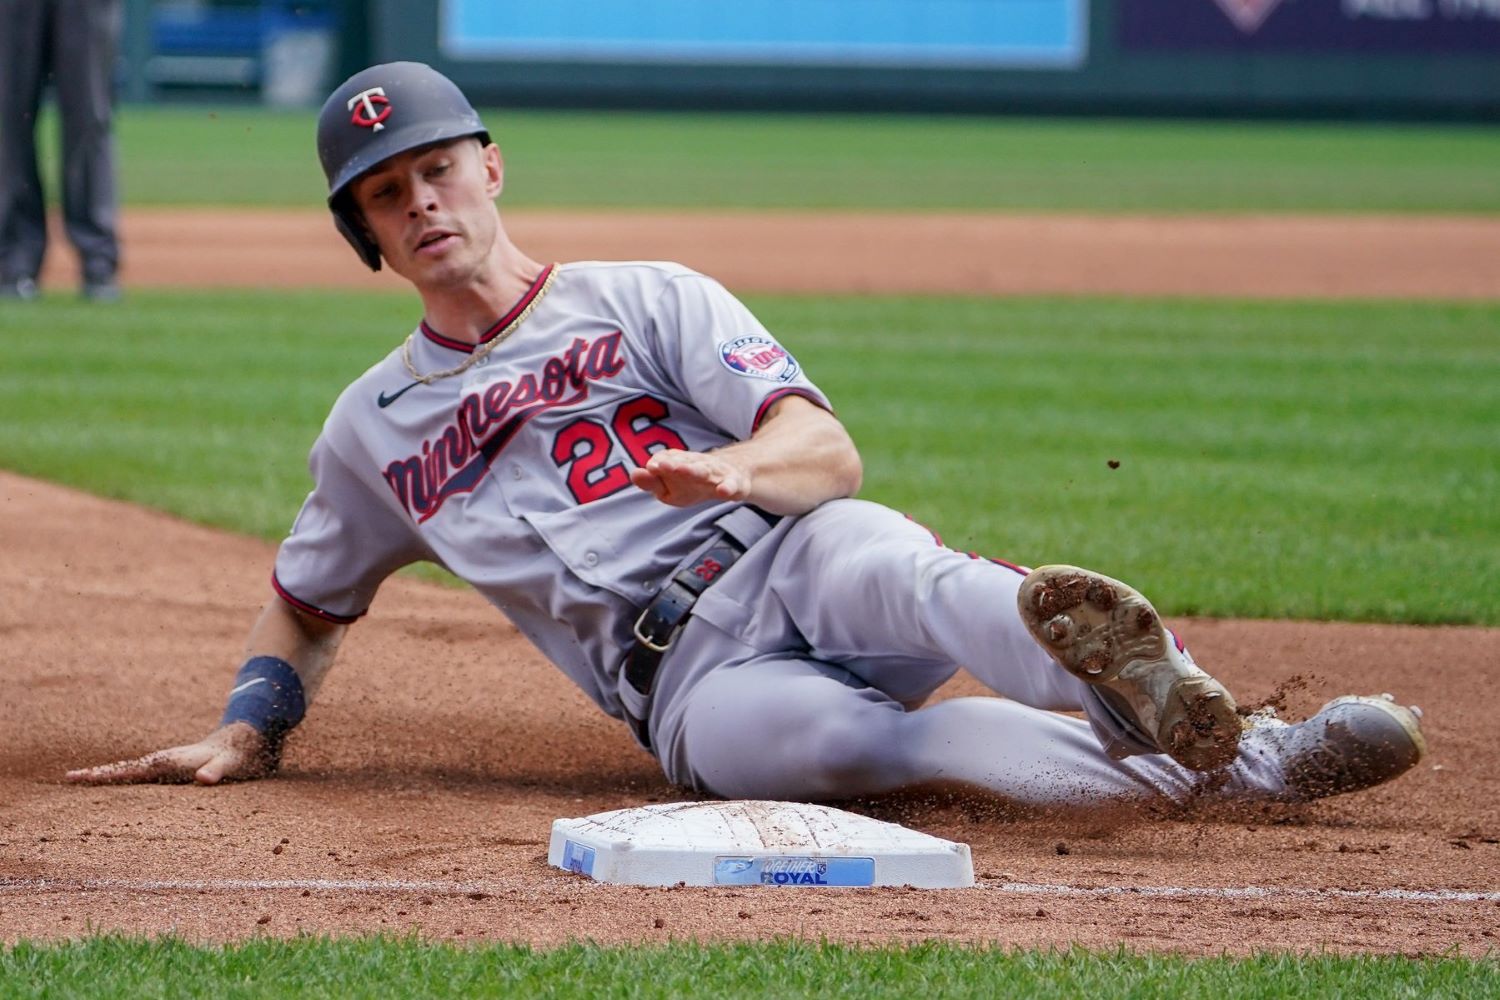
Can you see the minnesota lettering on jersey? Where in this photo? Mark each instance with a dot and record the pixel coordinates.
(455, 459)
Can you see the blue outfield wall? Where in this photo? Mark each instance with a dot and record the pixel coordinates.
(1423, 59)
(892, 33)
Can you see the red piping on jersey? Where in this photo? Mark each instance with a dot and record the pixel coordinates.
(937, 538)
(776, 397)
(316, 612)
(972, 555)
(499, 324)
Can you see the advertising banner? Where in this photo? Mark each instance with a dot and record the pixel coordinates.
(1392, 26)
(884, 33)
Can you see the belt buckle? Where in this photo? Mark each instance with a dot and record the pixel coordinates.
(641, 638)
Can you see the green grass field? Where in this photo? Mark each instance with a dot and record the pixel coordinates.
(246, 156)
(1275, 460)
(309, 967)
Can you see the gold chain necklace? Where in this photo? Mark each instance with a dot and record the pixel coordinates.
(483, 350)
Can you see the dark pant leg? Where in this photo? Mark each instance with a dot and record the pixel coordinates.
(24, 53)
(85, 40)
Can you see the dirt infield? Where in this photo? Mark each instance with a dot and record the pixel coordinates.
(1250, 256)
(420, 794)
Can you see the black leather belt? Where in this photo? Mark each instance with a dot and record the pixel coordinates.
(661, 620)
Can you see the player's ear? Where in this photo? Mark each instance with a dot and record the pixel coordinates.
(494, 169)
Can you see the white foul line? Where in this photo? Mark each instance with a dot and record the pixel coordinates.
(1250, 892)
(466, 888)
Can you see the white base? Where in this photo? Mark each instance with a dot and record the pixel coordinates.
(754, 843)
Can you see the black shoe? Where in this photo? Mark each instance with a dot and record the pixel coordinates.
(22, 289)
(102, 291)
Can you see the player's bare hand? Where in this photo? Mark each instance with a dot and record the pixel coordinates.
(686, 478)
(236, 752)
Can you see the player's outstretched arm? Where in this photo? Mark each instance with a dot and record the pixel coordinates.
(799, 457)
(287, 655)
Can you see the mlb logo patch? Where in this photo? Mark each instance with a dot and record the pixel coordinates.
(758, 357)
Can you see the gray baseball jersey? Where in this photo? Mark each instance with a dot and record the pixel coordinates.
(798, 674)
(514, 475)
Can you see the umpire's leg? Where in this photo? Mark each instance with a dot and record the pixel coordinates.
(24, 54)
(85, 40)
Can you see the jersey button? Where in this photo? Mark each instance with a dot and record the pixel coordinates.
(515, 472)
(591, 558)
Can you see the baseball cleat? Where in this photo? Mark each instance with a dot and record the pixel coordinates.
(1105, 633)
(1352, 743)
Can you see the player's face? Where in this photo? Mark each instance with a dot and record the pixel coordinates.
(432, 211)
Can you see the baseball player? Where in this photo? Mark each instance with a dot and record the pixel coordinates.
(627, 464)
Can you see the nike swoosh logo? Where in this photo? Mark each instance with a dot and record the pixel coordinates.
(383, 400)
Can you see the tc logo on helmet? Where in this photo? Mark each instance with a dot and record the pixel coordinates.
(366, 113)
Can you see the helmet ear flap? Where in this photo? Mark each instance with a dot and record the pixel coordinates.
(353, 230)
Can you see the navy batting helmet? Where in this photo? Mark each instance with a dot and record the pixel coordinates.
(375, 114)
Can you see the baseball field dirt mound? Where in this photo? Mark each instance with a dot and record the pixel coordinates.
(1278, 256)
(419, 794)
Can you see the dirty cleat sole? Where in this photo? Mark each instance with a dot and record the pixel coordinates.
(1105, 633)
